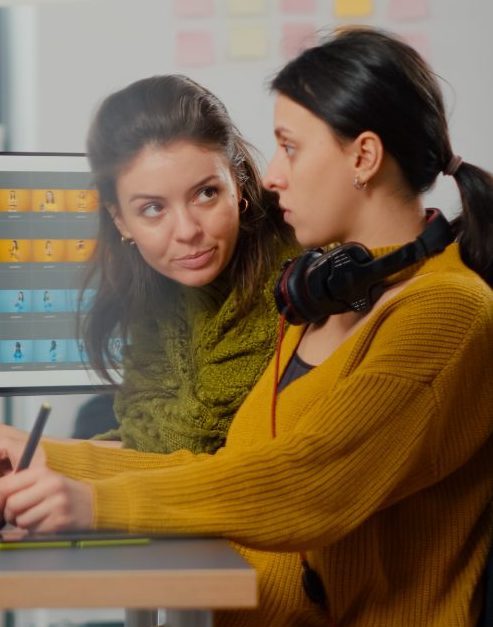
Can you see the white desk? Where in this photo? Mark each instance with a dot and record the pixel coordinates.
(192, 575)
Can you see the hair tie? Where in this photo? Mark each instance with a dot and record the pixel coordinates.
(453, 165)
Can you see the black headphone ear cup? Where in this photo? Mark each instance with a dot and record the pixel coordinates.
(290, 291)
(281, 287)
(281, 290)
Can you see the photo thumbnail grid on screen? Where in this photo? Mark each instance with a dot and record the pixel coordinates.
(48, 228)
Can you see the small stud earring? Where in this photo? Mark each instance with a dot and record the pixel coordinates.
(127, 240)
(357, 184)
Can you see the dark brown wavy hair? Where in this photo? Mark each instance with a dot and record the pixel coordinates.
(158, 111)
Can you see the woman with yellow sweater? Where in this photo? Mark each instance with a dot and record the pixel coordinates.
(361, 460)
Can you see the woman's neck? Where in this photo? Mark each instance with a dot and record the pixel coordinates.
(386, 219)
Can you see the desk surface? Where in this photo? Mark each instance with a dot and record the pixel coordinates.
(172, 573)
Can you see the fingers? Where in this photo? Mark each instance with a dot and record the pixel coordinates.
(9, 453)
(11, 450)
(11, 489)
(33, 498)
(7, 431)
(43, 516)
(42, 500)
(5, 463)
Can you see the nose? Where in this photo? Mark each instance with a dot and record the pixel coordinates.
(187, 225)
(274, 178)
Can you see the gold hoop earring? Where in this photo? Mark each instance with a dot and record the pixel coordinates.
(357, 184)
(243, 204)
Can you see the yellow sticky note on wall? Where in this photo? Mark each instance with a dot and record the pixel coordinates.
(246, 7)
(248, 42)
(353, 8)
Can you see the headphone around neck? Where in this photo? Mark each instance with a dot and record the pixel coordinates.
(318, 284)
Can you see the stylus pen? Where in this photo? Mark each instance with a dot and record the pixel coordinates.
(32, 443)
(34, 437)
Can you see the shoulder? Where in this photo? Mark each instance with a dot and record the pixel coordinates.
(442, 314)
(447, 289)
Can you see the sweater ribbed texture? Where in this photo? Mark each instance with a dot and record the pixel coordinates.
(381, 470)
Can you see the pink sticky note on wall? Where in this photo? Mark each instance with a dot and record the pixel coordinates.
(298, 6)
(409, 9)
(194, 8)
(296, 37)
(194, 48)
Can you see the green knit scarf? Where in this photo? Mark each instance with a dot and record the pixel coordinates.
(188, 373)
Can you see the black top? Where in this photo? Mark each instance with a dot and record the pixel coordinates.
(296, 368)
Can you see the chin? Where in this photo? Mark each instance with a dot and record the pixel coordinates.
(195, 282)
(197, 279)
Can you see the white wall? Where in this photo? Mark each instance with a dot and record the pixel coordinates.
(69, 55)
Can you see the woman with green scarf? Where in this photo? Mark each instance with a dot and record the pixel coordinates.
(189, 248)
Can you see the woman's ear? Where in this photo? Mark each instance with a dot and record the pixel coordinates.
(368, 153)
(118, 221)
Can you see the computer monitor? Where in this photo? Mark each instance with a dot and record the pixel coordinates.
(48, 226)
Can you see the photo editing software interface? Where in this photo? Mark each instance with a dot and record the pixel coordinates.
(48, 228)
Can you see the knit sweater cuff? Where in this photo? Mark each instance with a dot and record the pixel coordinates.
(117, 507)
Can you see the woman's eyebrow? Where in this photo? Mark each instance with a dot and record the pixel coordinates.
(208, 179)
(281, 132)
(143, 196)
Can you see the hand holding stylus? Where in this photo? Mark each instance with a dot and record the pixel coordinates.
(31, 443)
(39, 499)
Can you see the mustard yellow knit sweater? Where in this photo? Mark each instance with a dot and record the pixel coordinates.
(382, 469)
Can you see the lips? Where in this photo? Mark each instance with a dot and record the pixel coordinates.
(196, 260)
(286, 213)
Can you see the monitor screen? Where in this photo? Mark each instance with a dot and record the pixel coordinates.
(48, 226)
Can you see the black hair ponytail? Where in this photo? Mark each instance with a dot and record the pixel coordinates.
(474, 226)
